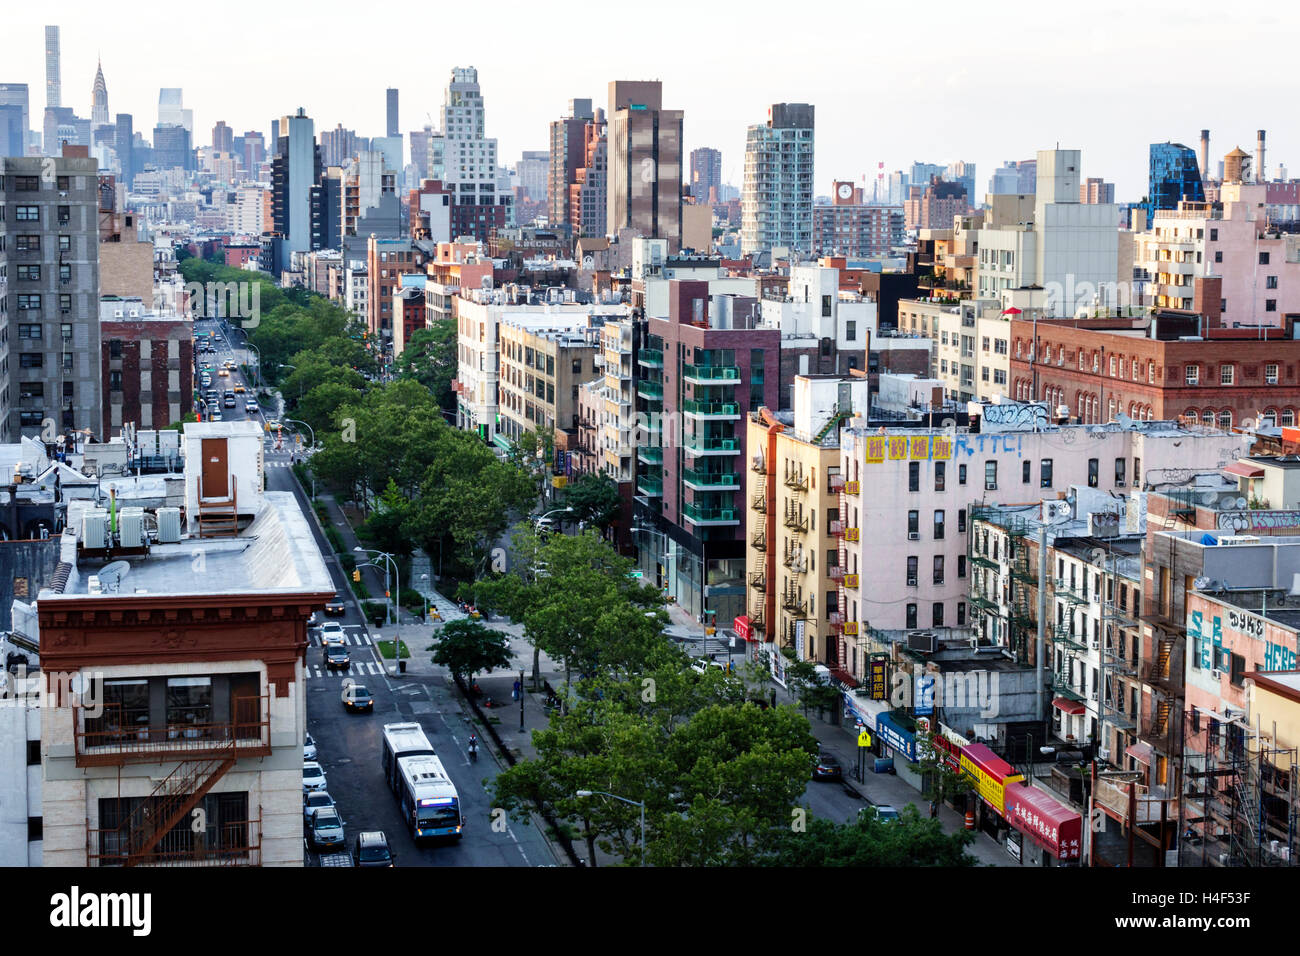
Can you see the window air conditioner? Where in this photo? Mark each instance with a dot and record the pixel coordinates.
(913, 536)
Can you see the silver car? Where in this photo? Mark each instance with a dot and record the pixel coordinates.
(313, 776)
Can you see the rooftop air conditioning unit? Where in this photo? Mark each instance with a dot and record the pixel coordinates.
(94, 529)
(1233, 539)
(169, 525)
(131, 528)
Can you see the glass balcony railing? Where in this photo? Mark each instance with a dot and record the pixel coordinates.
(711, 409)
(710, 479)
(718, 374)
(650, 486)
(710, 515)
(651, 357)
(650, 453)
(702, 443)
(647, 389)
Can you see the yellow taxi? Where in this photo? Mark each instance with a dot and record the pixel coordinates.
(239, 389)
(224, 372)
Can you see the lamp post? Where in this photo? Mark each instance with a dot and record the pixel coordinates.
(250, 345)
(537, 522)
(397, 583)
(312, 432)
(635, 803)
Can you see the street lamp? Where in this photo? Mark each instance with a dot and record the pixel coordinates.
(425, 595)
(537, 522)
(397, 583)
(635, 803)
(250, 345)
(312, 432)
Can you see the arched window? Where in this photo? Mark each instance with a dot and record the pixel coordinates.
(1192, 415)
(1207, 417)
(1288, 417)
(1225, 419)
(1269, 418)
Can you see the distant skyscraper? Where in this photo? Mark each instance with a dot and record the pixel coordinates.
(588, 196)
(13, 135)
(172, 148)
(776, 205)
(706, 175)
(645, 162)
(1175, 175)
(964, 173)
(393, 128)
(223, 138)
(568, 138)
(254, 151)
(124, 144)
(428, 149)
(53, 85)
(297, 171)
(482, 190)
(1096, 191)
(15, 96)
(99, 100)
(922, 173)
(337, 146)
(171, 111)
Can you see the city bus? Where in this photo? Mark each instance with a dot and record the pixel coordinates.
(402, 740)
(430, 804)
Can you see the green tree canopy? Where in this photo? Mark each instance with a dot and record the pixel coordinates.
(466, 647)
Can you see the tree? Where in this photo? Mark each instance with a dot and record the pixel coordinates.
(941, 778)
(594, 499)
(430, 359)
(466, 647)
(909, 841)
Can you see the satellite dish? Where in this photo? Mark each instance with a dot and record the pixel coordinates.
(1203, 582)
(111, 574)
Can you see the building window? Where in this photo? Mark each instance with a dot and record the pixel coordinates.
(938, 569)
(940, 474)
(31, 360)
(961, 521)
(1044, 473)
(913, 476)
(1225, 419)
(1263, 258)
(33, 753)
(961, 613)
(961, 474)
(961, 565)
(27, 214)
(1288, 417)
(1270, 282)
(1270, 374)
(912, 565)
(29, 331)
(27, 184)
(115, 381)
(911, 617)
(1192, 374)
(913, 524)
(937, 612)
(850, 331)
(29, 273)
(938, 524)
(1025, 476)
(1226, 374)
(990, 475)
(1119, 471)
(1270, 305)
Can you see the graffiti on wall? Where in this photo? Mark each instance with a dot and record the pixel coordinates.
(1015, 416)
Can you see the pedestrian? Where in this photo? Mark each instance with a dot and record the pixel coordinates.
(934, 809)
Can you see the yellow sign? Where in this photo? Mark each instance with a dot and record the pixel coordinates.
(921, 448)
(941, 448)
(864, 738)
(851, 487)
(899, 446)
(850, 627)
(875, 451)
(991, 790)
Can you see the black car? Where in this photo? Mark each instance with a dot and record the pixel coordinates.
(372, 849)
(336, 655)
(336, 608)
(827, 768)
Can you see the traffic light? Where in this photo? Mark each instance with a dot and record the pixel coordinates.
(356, 574)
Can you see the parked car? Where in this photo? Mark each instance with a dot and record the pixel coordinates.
(336, 608)
(309, 748)
(312, 801)
(827, 768)
(337, 657)
(883, 813)
(356, 697)
(313, 776)
(372, 849)
(326, 828)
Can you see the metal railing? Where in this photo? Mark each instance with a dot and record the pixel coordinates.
(111, 739)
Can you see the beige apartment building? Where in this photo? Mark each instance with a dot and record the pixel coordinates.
(794, 569)
(542, 369)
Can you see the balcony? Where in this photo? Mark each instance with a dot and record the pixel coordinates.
(835, 572)
(710, 481)
(836, 483)
(759, 503)
(651, 390)
(796, 481)
(759, 465)
(1064, 635)
(226, 843)
(758, 581)
(651, 358)
(114, 738)
(790, 602)
(650, 487)
(1069, 591)
(705, 445)
(796, 522)
(722, 411)
(758, 541)
(711, 374)
(836, 528)
(714, 517)
(651, 454)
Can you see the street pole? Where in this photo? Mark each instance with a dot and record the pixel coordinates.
(1042, 616)
(521, 700)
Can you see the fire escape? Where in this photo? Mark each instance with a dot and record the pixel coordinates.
(155, 831)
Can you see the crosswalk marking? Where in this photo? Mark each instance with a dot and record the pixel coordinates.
(355, 640)
(357, 669)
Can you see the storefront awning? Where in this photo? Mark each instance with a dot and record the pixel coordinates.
(743, 628)
(1243, 470)
(1044, 819)
(1067, 706)
(1140, 752)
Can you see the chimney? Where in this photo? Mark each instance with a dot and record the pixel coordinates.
(1259, 158)
(1205, 154)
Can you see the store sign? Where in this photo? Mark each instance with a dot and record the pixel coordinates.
(881, 448)
(924, 699)
(896, 737)
(876, 680)
(1051, 823)
(990, 774)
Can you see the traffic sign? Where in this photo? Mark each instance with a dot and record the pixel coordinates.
(864, 738)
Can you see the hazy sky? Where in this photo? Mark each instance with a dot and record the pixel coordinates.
(892, 82)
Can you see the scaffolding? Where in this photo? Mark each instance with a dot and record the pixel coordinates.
(1240, 799)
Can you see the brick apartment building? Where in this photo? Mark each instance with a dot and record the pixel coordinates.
(147, 362)
(1158, 368)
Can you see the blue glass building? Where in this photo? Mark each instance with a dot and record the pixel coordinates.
(1175, 176)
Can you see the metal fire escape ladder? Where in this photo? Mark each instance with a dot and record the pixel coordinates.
(834, 421)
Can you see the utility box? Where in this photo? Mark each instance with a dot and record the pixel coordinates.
(169, 525)
(94, 529)
(131, 528)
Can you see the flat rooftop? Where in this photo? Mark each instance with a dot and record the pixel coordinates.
(277, 553)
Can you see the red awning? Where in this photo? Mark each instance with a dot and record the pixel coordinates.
(1140, 752)
(742, 628)
(1046, 820)
(844, 677)
(1011, 311)
(1243, 470)
(1068, 706)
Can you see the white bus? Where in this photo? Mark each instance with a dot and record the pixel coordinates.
(402, 740)
(430, 804)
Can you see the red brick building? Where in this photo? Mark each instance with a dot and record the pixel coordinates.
(1157, 368)
(147, 364)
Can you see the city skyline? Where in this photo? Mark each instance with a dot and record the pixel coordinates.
(859, 124)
